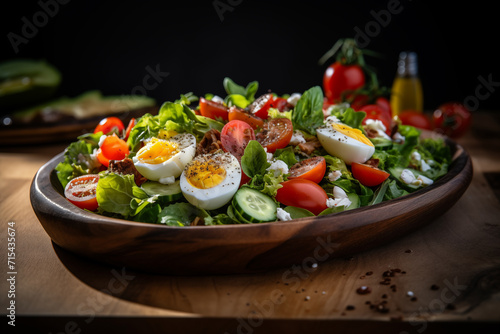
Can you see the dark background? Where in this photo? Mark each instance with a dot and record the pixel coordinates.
(108, 45)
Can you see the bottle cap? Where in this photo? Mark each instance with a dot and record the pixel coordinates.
(407, 63)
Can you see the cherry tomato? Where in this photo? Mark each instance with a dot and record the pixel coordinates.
(375, 112)
(452, 119)
(368, 175)
(235, 136)
(304, 194)
(416, 119)
(358, 101)
(340, 79)
(112, 148)
(312, 169)
(260, 106)
(385, 104)
(213, 109)
(279, 103)
(106, 125)
(81, 191)
(275, 134)
(240, 114)
(130, 126)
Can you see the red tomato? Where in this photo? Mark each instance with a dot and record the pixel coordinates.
(375, 112)
(304, 194)
(106, 125)
(130, 126)
(416, 119)
(260, 106)
(240, 114)
(358, 101)
(213, 109)
(385, 104)
(279, 103)
(312, 169)
(81, 191)
(235, 136)
(368, 175)
(112, 148)
(452, 119)
(275, 134)
(339, 79)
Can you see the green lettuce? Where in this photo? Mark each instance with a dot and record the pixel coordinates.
(308, 113)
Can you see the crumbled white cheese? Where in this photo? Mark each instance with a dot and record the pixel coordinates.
(415, 155)
(283, 215)
(269, 156)
(398, 138)
(340, 198)
(335, 175)
(167, 180)
(101, 140)
(297, 138)
(376, 126)
(332, 119)
(217, 99)
(293, 99)
(424, 166)
(425, 180)
(407, 176)
(278, 166)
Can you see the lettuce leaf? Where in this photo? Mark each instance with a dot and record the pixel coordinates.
(308, 113)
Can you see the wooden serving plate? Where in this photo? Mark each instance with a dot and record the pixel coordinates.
(229, 249)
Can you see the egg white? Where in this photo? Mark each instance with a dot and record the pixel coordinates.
(219, 195)
(175, 165)
(347, 148)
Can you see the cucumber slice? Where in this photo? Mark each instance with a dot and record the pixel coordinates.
(355, 202)
(254, 206)
(167, 193)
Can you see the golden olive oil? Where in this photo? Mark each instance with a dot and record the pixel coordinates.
(406, 93)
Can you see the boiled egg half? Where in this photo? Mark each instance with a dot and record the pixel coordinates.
(345, 142)
(209, 181)
(163, 158)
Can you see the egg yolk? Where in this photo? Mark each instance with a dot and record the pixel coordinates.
(352, 132)
(157, 151)
(205, 174)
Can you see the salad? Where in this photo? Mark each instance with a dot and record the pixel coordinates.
(246, 159)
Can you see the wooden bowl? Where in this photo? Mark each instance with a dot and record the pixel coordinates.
(229, 249)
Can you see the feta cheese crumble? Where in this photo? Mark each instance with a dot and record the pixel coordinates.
(334, 175)
(283, 215)
(340, 198)
(297, 138)
(278, 166)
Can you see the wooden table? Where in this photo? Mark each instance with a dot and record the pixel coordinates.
(445, 276)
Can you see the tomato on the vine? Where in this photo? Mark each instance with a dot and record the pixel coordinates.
(213, 110)
(276, 133)
(312, 169)
(416, 119)
(339, 80)
(112, 148)
(368, 175)
(81, 191)
(109, 124)
(452, 119)
(235, 136)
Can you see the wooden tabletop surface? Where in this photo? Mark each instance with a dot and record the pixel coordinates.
(443, 277)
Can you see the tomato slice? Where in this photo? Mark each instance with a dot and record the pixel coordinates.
(106, 125)
(275, 134)
(213, 110)
(260, 106)
(81, 191)
(240, 114)
(112, 148)
(312, 169)
(304, 194)
(368, 175)
(235, 136)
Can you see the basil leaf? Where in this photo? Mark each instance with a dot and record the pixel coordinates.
(254, 159)
(308, 113)
(248, 92)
